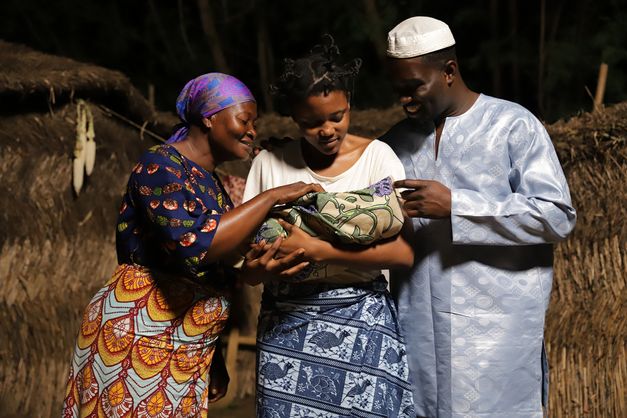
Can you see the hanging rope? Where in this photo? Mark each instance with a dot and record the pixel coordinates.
(142, 128)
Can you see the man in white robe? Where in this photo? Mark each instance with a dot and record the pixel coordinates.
(488, 199)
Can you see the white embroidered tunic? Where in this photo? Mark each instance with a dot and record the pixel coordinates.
(472, 310)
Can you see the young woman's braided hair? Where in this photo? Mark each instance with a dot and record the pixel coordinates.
(316, 73)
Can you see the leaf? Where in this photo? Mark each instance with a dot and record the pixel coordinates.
(351, 199)
(323, 198)
(329, 218)
(366, 197)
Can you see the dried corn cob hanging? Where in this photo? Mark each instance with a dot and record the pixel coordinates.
(84, 147)
(90, 144)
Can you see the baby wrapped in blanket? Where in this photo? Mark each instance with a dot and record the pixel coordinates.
(359, 217)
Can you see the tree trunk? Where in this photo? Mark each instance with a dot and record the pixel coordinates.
(182, 27)
(208, 26)
(375, 32)
(513, 22)
(264, 57)
(169, 49)
(495, 61)
(541, 57)
(555, 21)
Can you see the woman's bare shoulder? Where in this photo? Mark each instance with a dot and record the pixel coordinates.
(359, 142)
(360, 139)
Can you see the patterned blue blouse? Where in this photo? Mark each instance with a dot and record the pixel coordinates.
(170, 214)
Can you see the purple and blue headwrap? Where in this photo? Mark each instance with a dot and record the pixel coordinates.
(206, 95)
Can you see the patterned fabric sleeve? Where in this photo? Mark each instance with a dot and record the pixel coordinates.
(184, 216)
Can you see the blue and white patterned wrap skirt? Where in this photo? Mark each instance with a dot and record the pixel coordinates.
(324, 351)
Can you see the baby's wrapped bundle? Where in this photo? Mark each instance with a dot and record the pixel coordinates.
(359, 217)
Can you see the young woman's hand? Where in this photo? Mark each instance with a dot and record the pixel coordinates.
(299, 239)
(291, 192)
(261, 266)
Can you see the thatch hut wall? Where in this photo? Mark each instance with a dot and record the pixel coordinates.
(587, 318)
(56, 248)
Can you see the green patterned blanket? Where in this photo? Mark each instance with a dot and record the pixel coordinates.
(356, 217)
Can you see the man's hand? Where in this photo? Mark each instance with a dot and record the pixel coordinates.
(425, 198)
(260, 264)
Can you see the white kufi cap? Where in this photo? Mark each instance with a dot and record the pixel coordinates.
(417, 36)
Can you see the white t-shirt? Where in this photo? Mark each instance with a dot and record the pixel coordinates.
(286, 165)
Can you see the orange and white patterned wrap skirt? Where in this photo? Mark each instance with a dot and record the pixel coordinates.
(144, 348)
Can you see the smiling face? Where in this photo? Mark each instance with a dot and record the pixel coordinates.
(422, 87)
(323, 120)
(233, 131)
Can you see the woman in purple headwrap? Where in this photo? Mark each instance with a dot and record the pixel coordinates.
(147, 341)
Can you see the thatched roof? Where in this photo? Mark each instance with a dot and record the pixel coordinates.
(595, 135)
(593, 150)
(32, 80)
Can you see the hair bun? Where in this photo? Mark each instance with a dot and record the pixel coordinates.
(317, 73)
(326, 49)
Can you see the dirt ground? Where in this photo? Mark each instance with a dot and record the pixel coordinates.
(240, 408)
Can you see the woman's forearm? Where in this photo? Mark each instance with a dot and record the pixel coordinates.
(239, 224)
(395, 253)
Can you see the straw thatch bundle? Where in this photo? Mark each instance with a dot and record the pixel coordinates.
(56, 248)
(586, 323)
(32, 80)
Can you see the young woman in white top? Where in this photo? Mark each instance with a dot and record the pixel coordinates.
(327, 349)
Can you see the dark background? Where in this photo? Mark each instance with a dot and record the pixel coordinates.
(540, 53)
